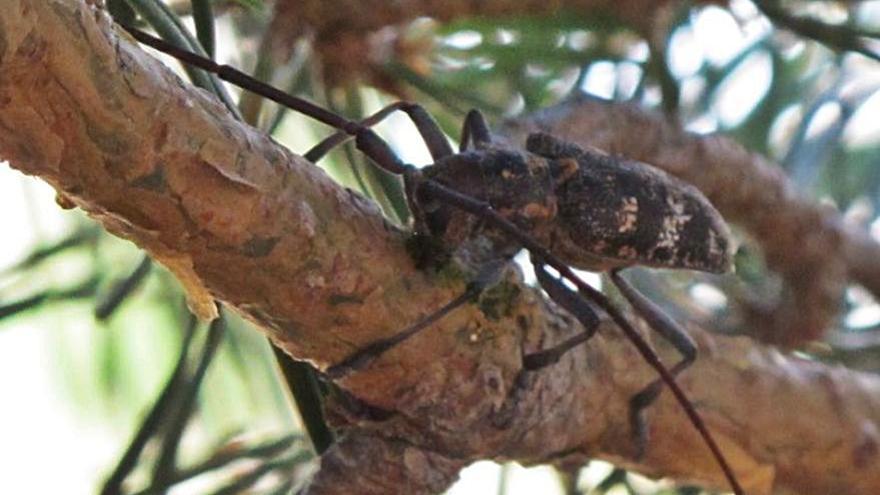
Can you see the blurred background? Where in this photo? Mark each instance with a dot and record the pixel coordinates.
(110, 385)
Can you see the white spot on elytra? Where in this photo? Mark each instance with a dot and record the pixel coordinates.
(628, 214)
(672, 224)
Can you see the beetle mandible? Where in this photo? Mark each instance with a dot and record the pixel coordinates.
(566, 205)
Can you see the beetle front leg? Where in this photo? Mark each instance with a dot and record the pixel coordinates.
(428, 128)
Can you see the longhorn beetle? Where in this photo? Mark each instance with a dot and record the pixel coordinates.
(566, 205)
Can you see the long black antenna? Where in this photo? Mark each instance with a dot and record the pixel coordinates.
(466, 203)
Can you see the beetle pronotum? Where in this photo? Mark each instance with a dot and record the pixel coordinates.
(565, 205)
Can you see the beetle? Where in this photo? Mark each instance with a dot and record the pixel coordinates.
(568, 206)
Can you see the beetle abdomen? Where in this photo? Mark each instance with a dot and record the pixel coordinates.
(614, 212)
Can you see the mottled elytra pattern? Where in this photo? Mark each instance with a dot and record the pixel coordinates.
(594, 211)
(625, 213)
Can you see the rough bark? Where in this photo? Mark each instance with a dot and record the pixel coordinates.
(239, 218)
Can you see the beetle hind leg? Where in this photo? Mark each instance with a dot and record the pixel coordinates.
(575, 304)
(672, 332)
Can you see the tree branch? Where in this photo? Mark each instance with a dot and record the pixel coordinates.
(237, 217)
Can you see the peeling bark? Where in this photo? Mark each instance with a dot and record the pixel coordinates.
(239, 218)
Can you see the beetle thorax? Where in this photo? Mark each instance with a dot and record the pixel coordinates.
(517, 184)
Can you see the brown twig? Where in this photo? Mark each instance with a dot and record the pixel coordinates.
(847, 38)
(238, 217)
